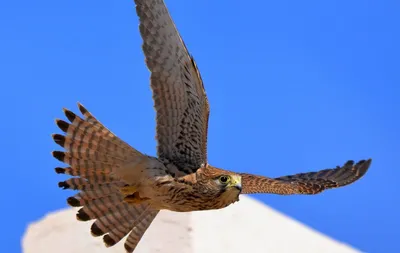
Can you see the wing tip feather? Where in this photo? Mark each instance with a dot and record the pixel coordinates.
(62, 125)
(95, 230)
(63, 185)
(362, 167)
(59, 170)
(108, 241)
(82, 108)
(69, 114)
(59, 139)
(74, 202)
(128, 248)
(82, 215)
(59, 155)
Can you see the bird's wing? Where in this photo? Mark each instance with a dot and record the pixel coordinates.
(306, 183)
(179, 97)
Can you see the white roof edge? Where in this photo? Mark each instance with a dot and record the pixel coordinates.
(243, 226)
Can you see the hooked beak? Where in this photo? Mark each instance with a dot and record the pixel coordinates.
(236, 182)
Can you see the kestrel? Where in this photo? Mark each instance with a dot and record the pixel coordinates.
(123, 189)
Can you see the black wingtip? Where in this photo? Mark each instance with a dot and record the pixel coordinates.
(59, 155)
(82, 216)
(82, 108)
(128, 248)
(63, 185)
(70, 115)
(362, 166)
(60, 170)
(108, 241)
(74, 202)
(349, 164)
(95, 230)
(59, 139)
(62, 125)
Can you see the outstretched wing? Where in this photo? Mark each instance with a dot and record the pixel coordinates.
(306, 183)
(178, 92)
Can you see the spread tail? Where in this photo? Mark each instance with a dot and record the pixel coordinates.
(94, 155)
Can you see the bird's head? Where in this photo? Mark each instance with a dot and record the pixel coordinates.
(221, 186)
(226, 182)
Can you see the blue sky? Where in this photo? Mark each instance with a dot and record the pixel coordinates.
(294, 86)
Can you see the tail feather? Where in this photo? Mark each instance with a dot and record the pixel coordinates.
(94, 209)
(94, 155)
(78, 183)
(86, 213)
(117, 233)
(92, 146)
(118, 219)
(88, 174)
(121, 216)
(103, 203)
(79, 163)
(92, 130)
(75, 148)
(98, 192)
(138, 231)
(86, 132)
(73, 156)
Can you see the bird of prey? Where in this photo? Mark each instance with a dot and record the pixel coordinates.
(123, 190)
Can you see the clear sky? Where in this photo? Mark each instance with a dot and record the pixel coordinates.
(294, 86)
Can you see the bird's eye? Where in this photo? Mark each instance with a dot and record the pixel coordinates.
(224, 179)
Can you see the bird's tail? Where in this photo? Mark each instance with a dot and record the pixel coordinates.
(94, 154)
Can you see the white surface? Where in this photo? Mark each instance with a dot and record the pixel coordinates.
(243, 226)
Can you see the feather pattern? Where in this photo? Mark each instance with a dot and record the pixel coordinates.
(96, 156)
(141, 225)
(179, 97)
(123, 190)
(306, 183)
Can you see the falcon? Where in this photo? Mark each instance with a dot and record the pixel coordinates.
(123, 190)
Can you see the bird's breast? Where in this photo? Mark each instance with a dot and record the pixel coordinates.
(187, 200)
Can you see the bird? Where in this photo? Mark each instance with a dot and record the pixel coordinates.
(121, 190)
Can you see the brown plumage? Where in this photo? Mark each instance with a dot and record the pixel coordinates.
(123, 190)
